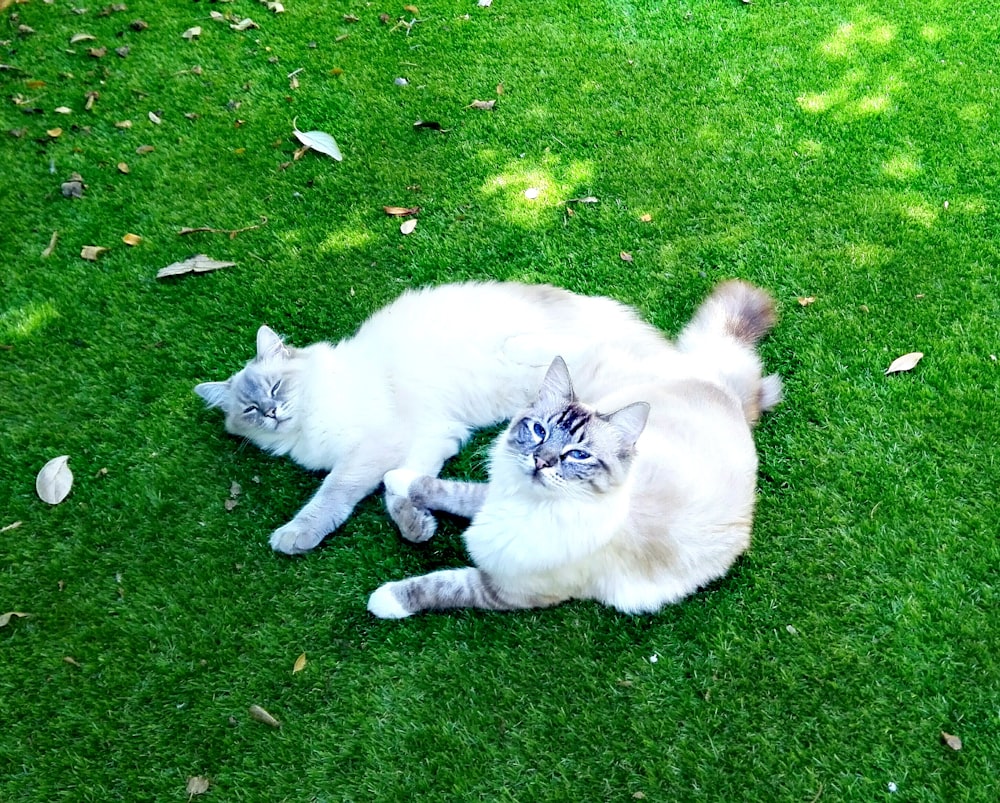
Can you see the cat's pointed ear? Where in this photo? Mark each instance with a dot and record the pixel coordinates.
(557, 388)
(270, 344)
(215, 394)
(630, 421)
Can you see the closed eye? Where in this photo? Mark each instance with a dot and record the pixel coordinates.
(274, 388)
(576, 454)
(251, 409)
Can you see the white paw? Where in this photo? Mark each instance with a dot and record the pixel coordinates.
(384, 605)
(399, 480)
(294, 539)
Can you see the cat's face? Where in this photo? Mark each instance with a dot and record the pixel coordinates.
(565, 446)
(258, 400)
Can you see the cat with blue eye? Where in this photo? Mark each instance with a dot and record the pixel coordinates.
(631, 482)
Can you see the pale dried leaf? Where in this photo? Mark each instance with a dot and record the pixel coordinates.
(318, 141)
(805, 301)
(92, 252)
(235, 489)
(244, 24)
(81, 37)
(531, 193)
(54, 481)
(131, 239)
(69, 659)
(646, 218)
(49, 249)
(482, 105)
(197, 785)
(905, 363)
(97, 52)
(123, 168)
(258, 713)
(123, 124)
(12, 526)
(192, 33)
(142, 150)
(154, 118)
(199, 263)
(589, 199)
(625, 256)
(954, 742)
(485, 3)
(412, 9)
(6, 617)
(54, 132)
(401, 211)
(407, 226)
(300, 664)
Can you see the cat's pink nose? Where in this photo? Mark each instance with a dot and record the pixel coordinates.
(541, 462)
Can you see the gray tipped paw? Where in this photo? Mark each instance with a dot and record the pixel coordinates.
(294, 539)
(415, 524)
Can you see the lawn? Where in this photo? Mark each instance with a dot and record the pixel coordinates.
(843, 156)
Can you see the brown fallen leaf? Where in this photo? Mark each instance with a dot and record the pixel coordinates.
(91, 99)
(350, 18)
(954, 742)
(407, 226)
(51, 246)
(138, 25)
(196, 785)
(123, 168)
(646, 218)
(805, 301)
(131, 239)
(258, 713)
(69, 659)
(401, 211)
(6, 617)
(412, 9)
(123, 124)
(482, 105)
(905, 363)
(300, 664)
(196, 264)
(92, 252)
(97, 52)
(54, 132)
(123, 51)
(142, 150)
(625, 256)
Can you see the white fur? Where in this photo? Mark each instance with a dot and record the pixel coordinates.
(418, 377)
(399, 480)
(384, 605)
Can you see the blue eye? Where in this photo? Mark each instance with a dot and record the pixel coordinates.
(539, 430)
(577, 454)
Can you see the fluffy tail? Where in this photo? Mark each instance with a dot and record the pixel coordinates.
(723, 333)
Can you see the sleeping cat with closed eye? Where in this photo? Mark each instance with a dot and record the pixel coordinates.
(635, 499)
(408, 388)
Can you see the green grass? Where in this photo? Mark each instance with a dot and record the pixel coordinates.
(833, 150)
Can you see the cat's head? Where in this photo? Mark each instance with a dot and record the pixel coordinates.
(562, 445)
(258, 400)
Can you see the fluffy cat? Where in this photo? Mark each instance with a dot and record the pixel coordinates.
(408, 388)
(636, 500)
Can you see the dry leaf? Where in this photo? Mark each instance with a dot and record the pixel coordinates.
(91, 99)
(131, 239)
(230, 505)
(408, 226)
(485, 3)
(50, 247)
(805, 301)
(138, 25)
(196, 264)
(69, 659)
(401, 211)
(412, 9)
(589, 199)
(97, 52)
(54, 481)
(483, 105)
(123, 124)
(74, 187)
(123, 168)
(244, 24)
(154, 118)
(261, 715)
(952, 741)
(142, 150)
(905, 363)
(318, 141)
(81, 37)
(531, 193)
(300, 664)
(63, 110)
(12, 526)
(54, 132)
(350, 18)
(6, 617)
(196, 785)
(235, 489)
(218, 16)
(92, 252)
(192, 33)
(646, 218)
(625, 256)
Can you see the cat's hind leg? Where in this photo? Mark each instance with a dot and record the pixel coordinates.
(415, 523)
(442, 590)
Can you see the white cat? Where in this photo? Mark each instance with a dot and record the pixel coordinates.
(407, 390)
(635, 501)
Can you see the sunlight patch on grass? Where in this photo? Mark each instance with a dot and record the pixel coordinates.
(527, 191)
(867, 255)
(920, 212)
(346, 240)
(22, 322)
(932, 33)
(973, 113)
(902, 166)
(871, 31)
(809, 148)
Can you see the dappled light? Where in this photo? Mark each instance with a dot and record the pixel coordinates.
(868, 31)
(902, 166)
(20, 323)
(528, 189)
